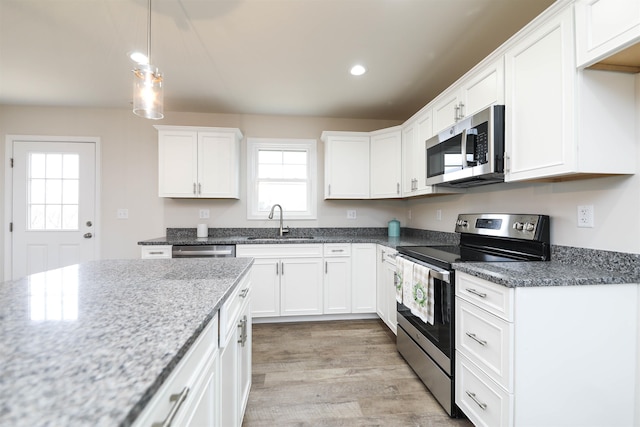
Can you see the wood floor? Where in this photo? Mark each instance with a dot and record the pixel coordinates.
(343, 373)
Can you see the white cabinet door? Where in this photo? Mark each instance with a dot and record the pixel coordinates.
(604, 27)
(482, 88)
(386, 163)
(229, 385)
(337, 285)
(346, 166)
(386, 293)
(445, 109)
(198, 162)
(300, 286)
(363, 278)
(265, 287)
(177, 163)
(218, 165)
(389, 280)
(245, 343)
(409, 172)
(206, 408)
(540, 80)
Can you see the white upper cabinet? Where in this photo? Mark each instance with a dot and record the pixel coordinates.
(198, 162)
(559, 121)
(346, 165)
(386, 163)
(481, 87)
(605, 27)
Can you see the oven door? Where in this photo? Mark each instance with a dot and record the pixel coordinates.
(440, 334)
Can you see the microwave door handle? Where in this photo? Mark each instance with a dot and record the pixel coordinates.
(463, 149)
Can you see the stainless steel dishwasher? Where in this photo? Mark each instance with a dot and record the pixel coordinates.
(203, 251)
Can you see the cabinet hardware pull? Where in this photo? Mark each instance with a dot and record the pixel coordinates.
(476, 339)
(243, 331)
(282, 268)
(381, 256)
(397, 188)
(473, 291)
(337, 250)
(194, 188)
(455, 113)
(461, 111)
(244, 292)
(326, 267)
(473, 397)
(199, 188)
(155, 253)
(277, 268)
(177, 400)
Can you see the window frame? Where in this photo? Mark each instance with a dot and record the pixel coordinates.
(282, 144)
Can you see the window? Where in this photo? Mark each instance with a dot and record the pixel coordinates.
(281, 171)
(52, 191)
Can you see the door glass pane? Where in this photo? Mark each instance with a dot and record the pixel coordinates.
(53, 191)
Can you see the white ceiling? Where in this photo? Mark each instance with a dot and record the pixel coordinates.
(288, 57)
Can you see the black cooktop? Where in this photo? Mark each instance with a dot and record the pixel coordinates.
(444, 256)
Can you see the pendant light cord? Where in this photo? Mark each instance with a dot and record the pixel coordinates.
(149, 34)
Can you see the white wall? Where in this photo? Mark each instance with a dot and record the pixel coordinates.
(129, 171)
(129, 180)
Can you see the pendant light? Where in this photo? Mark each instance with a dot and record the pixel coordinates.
(148, 96)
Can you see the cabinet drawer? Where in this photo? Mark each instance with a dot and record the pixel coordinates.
(486, 340)
(185, 375)
(284, 250)
(156, 251)
(337, 249)
(494, 298)
(230, 310)
(483, 402)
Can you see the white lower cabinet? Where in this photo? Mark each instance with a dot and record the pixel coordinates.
(287, 279)
(386, 287)
(363, 278)
(235, 355)
(190, 396)
(545, 355)
(337, 278)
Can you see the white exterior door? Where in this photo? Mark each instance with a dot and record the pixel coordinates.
(53, 205)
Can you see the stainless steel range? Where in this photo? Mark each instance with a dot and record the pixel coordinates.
(427, 342)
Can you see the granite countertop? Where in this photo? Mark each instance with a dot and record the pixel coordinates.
(90, 344)
(550, 273)
(384, 240)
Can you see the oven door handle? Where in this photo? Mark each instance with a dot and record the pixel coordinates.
(435, 272)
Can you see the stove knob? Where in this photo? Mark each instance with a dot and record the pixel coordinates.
(462, 223)
(518, 226)
(529, 226)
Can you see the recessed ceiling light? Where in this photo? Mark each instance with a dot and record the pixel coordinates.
(139, 58)
(358, 70)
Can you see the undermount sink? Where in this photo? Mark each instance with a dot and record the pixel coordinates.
(276, 238)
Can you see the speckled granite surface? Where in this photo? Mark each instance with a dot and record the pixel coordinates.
(89, 345)
(568, 265)
(238, 236)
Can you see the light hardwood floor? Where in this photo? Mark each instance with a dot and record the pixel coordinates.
(343, 373)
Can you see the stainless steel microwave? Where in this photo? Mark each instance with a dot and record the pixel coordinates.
(470, 153)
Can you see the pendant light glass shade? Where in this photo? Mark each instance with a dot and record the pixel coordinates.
(148, 93)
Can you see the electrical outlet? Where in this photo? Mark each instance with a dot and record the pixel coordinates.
(585, 216)
(439, 214)
(351, 214)
(204, 213)
(122, 213)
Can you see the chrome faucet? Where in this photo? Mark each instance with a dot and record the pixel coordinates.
(282, 229)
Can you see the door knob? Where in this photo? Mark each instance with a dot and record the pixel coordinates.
(88, 235)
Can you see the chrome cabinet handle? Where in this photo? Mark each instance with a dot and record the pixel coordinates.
(461, 110)
(156, 253)
(473, 397)
(177, 400)
(326, 267)
(456, 113)
(282, 268)
(87, 235)
(199, 188)
(476, 339)
(244, 292)
(474, 292)
(277, 268)
(397, 188)
(194, 188)
(337, 250)
(243, 331)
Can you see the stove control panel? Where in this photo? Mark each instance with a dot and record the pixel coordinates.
(518, 226)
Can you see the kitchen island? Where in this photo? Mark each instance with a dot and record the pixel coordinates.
(90, 344)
